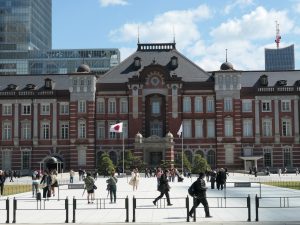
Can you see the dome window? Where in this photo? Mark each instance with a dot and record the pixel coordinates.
(48, 83)
(281, 83)
(137, 62)
(12, 87)
(30, 87)
(263, 80)
(174, 61)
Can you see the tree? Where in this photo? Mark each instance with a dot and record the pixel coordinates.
(186, 163)
(105, 164)
(131, 162)
(200, 164)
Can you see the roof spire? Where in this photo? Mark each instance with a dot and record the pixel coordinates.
(278, 37)
(173, 34)
(226, 55)
(138, 34)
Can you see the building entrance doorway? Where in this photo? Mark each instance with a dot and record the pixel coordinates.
(155, 158)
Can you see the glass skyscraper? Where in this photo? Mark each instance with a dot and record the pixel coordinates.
(280, 59)
(26, 43)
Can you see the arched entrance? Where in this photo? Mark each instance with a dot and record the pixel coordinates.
(52, 163)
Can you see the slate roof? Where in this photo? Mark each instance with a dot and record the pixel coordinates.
(160, 54)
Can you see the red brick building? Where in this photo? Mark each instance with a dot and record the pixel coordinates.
(235, 119)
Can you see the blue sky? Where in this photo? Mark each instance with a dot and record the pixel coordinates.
(203, 28)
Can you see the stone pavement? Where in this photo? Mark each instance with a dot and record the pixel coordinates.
(102, 212)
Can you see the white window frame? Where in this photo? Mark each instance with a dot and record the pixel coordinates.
(82, 129)
(211, 128)
(187, 104)
(100, 107)
(6, 130)
(45, 130)
(285, 105)
(26, 109)
(198, 104)
(228, 105)
(64, 130)
(286, 127)
(100, 132)
(7, 109)
(26, 130)
(210, 105)
(123, 105)
(155, 107)
(64, 108)
(187, 128)
(247, 105)
(228, 127)
(26, 156)
(268, 151)
(45, 109)
(266, 106)
(247, 127)
(287, 151)
(198, 128)
(81, 106)
(112, 106)
(267, 127)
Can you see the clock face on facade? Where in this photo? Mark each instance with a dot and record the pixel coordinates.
(155, 81)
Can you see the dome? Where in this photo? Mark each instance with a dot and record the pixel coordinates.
(226, 66)
(170, 135)
(83, 68)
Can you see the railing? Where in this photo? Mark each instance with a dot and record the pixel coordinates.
(161, 204)
(283, 202)
(4, 205)
(221, 202)
(32, 204)
(242, 185)
(100, 203)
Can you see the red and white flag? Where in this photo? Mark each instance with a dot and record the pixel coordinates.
(117, 128)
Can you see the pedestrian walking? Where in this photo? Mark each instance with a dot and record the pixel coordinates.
(2, 181)
(72, 174)
(135, 179)
(54, 182)
(46, 182)
(213, 175)
(90, 188)
(164, 188)
(199, 195)
(35, 183)
(112, 187)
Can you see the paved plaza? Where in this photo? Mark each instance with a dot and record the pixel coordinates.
(230, 210)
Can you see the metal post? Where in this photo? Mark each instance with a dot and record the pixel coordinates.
(195, 209)
(7, 210)
(256, 207)
(14, 210)
(260, 189)
(127, 209)
(249, 208)
(67, 210)
(74, 208)
(58, 190)
(133, 208)
(187, 204)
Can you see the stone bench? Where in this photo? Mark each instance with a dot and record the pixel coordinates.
(75, 186)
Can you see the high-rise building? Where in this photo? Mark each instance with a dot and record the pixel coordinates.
(25, 43)
(280, 59)
(25, 25)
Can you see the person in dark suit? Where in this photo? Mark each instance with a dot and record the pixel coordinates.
(164, 188)
(199, 195)
(2, 181)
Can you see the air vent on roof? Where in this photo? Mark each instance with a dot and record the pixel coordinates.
(263, 80)
(174, 62)
(12, 87)
(281, 83)
(48, 83)
(137, 62)
(30, 87)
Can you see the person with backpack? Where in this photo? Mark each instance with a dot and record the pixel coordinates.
(112, 187)
(164, 188)
(198, 191)
(90, 187)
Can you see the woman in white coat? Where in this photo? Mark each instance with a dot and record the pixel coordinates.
(135, 179)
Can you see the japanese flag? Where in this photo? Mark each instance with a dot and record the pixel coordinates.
(179, 131)
(117, 128)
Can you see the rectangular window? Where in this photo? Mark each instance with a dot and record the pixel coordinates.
(112, 106)
(228, 104)
(187, 104)
(228, 127)
(45, 109)
(64, 130)
(26, 109)
(187, 128)
(287, 157)
(64, 108)
(198, 104)
(26, 155)
(26, 130)
(100, 130)
(82, 106)
(81, 157)
(210, 105)
(156, 128)
(247, 128)
(6, 131)
(286, 128)
(267, 158)
(267, 128)
(285, 105)
(7, 109)
(45, 131)
(100, 107)
(247, 105)
(266, 106)
(155, 107)
(198, 128)
(210, 128)
(123, 105)
(81, 129)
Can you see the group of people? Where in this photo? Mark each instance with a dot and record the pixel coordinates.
(49, 182)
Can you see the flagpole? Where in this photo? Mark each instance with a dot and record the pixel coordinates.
(182, 151)
(123, 153)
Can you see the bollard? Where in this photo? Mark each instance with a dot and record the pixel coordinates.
(67, 210)
(187, 209)
(256, 207)
(249, 208)
(74, 208)
(7, 210)
(133, 208)
(127, 209)
(14, 210)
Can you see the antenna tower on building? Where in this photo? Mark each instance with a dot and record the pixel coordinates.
(278, 37)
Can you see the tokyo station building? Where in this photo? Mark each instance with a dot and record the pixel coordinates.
(234, 119)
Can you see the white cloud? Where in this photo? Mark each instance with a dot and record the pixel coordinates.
(259, 24)
(105, 3)
(160, 29)
(125, 52)
(297, 7)
(237, 3)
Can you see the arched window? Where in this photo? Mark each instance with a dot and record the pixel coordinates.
(211, 158)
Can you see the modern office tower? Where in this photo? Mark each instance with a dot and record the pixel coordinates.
(280, 59)
(25, 25)
(25, 43)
